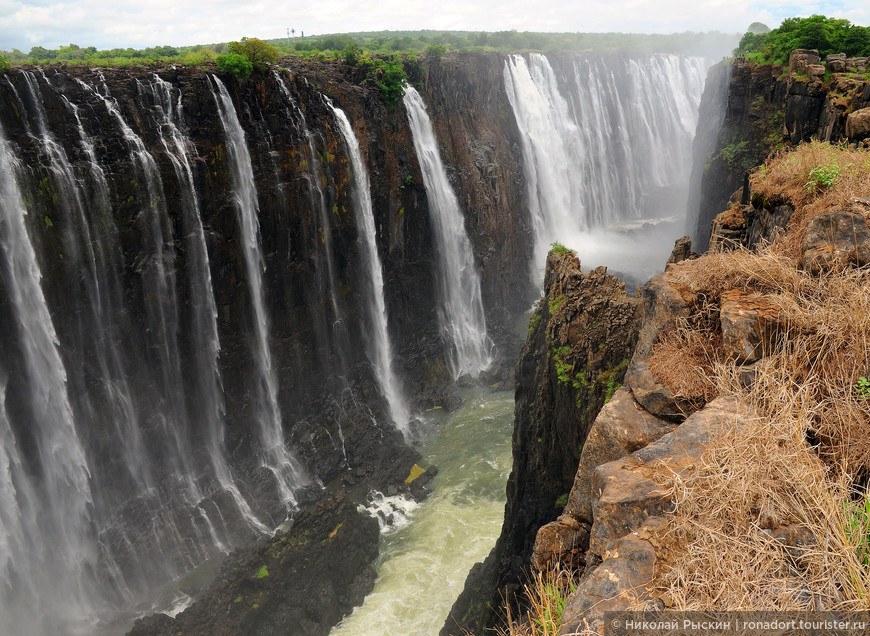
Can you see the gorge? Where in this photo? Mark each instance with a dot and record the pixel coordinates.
(227, 304)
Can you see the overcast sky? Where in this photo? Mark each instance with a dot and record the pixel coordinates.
(142, 23)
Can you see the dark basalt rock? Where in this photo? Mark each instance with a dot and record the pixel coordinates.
(299, 583)
(764, 106)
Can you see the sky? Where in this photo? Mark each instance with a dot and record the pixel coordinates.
(144, 23)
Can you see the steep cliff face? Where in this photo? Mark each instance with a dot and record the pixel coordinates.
(752, 122)
(579, 345)
(478, 135)
(209, 297)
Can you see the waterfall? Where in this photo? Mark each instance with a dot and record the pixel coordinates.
(317, 200)
(461, 312)
(46, 548)
(208, 400)
(275, 456)
(604, 142)
(157, 267)
(380, 349)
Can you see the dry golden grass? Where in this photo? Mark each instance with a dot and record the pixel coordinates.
(824, 339)
(683, 360)
(762, 474)
(790, 177)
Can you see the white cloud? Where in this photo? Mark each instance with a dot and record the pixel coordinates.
(107, 24)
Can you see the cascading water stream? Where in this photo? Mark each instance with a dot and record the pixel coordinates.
(604, 143)
(275, 456)
(461, 313)
(318, 201)
(46, 545)
(161, 307)
(203, 329)
(101, 289)
(380, 349)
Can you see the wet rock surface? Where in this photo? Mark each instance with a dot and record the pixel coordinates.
(300, 582)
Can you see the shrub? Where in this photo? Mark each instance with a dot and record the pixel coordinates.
(435, 51)
(351, 54)
(823, 177)
(236, 65)
(389, 78)
(560, 249)
(5, 64)
(414, 70)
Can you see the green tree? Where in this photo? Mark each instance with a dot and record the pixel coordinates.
(827, 35)
(260, 54)
(5, 64)
(236, 65)
(389, 78)
(40, 53)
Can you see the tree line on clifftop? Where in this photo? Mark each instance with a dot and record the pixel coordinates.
(826, 35)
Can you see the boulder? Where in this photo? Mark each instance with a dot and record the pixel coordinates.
(765, 224)
(682, 251)
(858, 125)
(655, 397)
(801, 58)
(625, 490)
(748, 324)
(665, 303)
(729, 229)
(619, 582)
(563, 541)
(836, 63)
(834, 241)
(816, 72)
(621, 428)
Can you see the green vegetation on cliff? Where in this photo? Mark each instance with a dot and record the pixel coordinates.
(827, 35)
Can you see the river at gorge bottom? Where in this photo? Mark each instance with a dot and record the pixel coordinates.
(425, 557)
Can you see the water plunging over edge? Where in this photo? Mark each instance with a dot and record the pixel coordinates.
(380, 349)
(288, 473)
(461, 313)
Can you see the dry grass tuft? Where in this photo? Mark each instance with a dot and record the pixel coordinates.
(683, 361)
(815, 178)
(760, 476)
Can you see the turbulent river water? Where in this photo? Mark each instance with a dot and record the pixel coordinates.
(423, 564)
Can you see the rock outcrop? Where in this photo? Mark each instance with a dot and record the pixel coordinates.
(580, 340)
(627, 516)
(768, 106)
